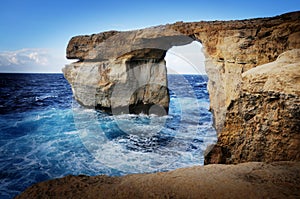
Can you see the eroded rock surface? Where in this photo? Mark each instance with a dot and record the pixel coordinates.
(263, 123)
(247, 180)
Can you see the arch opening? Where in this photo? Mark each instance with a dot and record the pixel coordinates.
(189, 98)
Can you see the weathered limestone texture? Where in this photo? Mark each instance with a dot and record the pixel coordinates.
(256, 114)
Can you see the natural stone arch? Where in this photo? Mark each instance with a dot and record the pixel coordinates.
(231, 48)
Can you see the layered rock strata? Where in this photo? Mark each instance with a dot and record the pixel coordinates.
(252, 122)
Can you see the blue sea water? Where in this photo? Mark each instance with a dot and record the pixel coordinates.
(46, 134)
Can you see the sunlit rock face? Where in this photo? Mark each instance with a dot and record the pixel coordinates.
(125, 72)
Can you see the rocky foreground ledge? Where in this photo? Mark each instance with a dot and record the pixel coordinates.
(246, 180)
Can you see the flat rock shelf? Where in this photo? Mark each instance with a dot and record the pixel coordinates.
(246, 180)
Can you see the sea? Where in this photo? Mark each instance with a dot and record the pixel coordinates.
(46, 134)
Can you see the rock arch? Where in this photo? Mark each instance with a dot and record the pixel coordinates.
(231, 48)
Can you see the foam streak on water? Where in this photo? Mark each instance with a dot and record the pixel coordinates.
(45, 134)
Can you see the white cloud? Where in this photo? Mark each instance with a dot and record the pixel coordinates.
(24, 57)
(38, 58)
(32, 60)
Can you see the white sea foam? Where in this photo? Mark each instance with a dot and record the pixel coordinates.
(72, 133)
(115, 153)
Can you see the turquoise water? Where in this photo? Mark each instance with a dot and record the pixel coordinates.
(45, 134)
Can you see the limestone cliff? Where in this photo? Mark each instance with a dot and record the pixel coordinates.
(263, 123)
(252, 121)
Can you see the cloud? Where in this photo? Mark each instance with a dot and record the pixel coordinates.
(24, 57)
(32, 60)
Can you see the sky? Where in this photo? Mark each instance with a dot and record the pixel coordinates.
(34, 33)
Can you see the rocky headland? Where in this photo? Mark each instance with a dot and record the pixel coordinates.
(253, 68)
